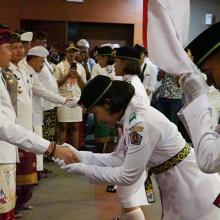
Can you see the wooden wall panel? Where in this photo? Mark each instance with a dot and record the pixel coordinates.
(104, 11)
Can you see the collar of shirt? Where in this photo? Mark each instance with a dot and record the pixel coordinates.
(13, 67)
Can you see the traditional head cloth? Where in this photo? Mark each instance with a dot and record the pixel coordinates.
(5, 34)
(38, 51)
(205, 44)
(71, 46)
(128, 52)
(94, 91)
(83, 43)
(104, 51)
(27, 36)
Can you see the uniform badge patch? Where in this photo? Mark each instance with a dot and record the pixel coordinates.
(135, 138)
(217, 201)
(137, 128)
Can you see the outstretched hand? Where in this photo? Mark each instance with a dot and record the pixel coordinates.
(66, 154)
(74, 168)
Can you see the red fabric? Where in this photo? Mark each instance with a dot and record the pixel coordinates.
(144, 34)
(27, 165)
(24, 194)
(5, 36)
(8, 215)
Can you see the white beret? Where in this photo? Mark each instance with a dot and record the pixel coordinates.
(27, 36)
(83, 43)
(38, 51)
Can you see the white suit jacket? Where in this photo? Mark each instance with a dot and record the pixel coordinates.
(11, 134)
(40, 92)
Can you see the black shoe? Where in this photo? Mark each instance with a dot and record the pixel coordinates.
(111, 189)
(47, 171)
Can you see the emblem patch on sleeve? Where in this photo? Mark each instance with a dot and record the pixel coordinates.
(136, 128)
(217, 201)
(135, 138)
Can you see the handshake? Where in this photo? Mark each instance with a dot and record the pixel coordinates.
(68, 158)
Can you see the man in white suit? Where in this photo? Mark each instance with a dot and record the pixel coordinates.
(12, 135)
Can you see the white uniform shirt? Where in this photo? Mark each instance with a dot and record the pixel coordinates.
(140, 92)
(150, 139)
(197, 118)
(214, 97)
(39, 93)
(150, 76)
(105, 71)
(12, 134)
(47, 78)
(24, 99)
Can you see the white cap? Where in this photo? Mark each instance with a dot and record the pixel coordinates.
(106, 45)
(114, 46)
(27, 36)
(38, 51)
(83, 43)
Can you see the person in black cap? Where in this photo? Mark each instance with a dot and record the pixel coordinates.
(148, 71)
(127, 65)
(149, 141)
(105, 63)
(198, 121)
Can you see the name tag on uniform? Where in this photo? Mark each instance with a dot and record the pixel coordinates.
(217, 201)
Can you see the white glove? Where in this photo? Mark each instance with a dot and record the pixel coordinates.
(74, 150)
(72, 102)
(74, 168)
(192, 86)
(58, 162)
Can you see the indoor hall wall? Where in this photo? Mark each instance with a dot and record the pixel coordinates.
(10, 13)
(105, 11)
(197, 19)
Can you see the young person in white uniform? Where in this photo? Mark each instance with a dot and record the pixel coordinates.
(152, 143)
(197, 114)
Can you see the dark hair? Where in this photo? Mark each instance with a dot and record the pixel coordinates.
(133, 67)
(40, 35)
(29, 57)
(110, 60)
(15, 38)
(119, 93)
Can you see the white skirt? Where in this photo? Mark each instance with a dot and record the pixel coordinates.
(67, 114)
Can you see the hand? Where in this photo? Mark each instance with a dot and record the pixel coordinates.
(58, 162)
(65, 154)
(74, 150)
(72, 102)
(192, 86)
(74, 168)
